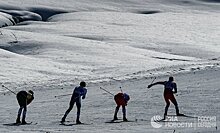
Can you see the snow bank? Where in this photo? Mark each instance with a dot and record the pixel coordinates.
(6, 20)
(93, 43)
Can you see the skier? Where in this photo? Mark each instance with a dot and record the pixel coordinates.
(169, 86)
(76, 98)
(121, 99)
(24, 98)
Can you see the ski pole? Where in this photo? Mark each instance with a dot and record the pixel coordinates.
(106, 91)
(153, 80)
(8, 89)
(62, 95)
(121, 89)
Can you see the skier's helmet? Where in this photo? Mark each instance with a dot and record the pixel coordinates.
(30, 91)
(171, 78)
(83, 84)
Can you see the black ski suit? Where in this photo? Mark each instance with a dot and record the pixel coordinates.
(24, 98)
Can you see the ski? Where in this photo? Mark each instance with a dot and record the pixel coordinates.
(160, 120)
(118, 121)
(183, 115)
(19, 124)
(167, 119)
(71, 124)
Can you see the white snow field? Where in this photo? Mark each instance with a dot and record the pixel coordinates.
(49, 46)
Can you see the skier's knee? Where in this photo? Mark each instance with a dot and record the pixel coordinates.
(167, 105)
(175, 104)
(78, 112)
(123, 110)
(70, 107)
(78, 105)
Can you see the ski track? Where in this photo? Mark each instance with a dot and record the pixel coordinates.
(145, 103)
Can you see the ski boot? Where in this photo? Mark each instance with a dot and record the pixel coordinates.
(62, 120)
(18, 121)
(125, 119)
(115, 118)
(23, 122)
(78, 122)
(179, 114)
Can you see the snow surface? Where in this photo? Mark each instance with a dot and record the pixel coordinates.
(50, 46)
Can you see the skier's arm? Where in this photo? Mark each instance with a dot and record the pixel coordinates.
(175, 88)
(84, 93)
(160, 82)
(30, 98)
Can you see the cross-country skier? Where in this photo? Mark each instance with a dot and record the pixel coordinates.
(78, 92)
(24, 98)
(170, 88)
(121, 99)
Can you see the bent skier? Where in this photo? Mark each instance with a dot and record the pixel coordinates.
(24, 98)
(169, 86)
(78, 92)
(121, 99)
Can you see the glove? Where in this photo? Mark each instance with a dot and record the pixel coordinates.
(149, 86)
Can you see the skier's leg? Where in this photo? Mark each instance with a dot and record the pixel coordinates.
(166, 98)
(19, 115)
(24, 115)
(116, 112)
(21, 101)
(68, 110)
(173, 100)
(124, 113)
(78, 105)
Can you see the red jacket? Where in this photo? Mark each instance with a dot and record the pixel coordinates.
(121, 100)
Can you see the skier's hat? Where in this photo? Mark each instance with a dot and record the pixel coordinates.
(30, 91)
(83, 84)
(171, 78)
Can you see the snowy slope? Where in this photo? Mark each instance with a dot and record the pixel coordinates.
(47, 45)
(120, 38)
(198, 95)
